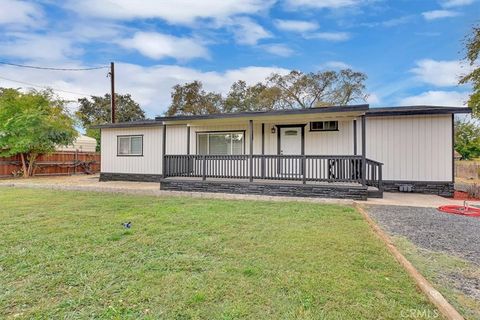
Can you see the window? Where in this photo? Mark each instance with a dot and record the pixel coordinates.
(220, 143)
(291, 133)
(324, 126)
(130, 145)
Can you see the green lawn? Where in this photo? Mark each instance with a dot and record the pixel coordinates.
(66, 255)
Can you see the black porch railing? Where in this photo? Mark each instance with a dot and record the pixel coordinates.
(275, 167)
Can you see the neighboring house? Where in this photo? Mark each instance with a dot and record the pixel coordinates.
(341, 151)
(81, 144)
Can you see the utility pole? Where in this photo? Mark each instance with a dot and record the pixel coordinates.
(112, 93)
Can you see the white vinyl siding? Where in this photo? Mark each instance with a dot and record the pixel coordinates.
(412, 148)
(149, 163)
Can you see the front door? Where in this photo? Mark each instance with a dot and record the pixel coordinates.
(290, 144)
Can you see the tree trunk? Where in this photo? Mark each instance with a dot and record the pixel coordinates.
(24, 165)
(31, 164)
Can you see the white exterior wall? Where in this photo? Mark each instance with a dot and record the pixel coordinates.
(149, 163)
(316, 142)
(412, 148)
(176, 139)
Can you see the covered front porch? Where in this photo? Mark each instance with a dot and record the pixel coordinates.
(290, 161)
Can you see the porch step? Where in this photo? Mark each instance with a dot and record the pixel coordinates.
(375, 194)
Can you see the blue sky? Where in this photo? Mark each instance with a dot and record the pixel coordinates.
(410, 50)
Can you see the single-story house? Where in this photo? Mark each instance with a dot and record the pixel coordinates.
(339, 151)
(82, 144)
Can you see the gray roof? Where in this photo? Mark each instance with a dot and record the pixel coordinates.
(415, 110)
(384, 111)
(359, 107)
(139, 123)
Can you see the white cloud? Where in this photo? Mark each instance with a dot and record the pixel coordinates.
(437, 98)
(175, 12)
(390, 22)
(440, 73)
(373, 99)
(15, 12)
(335, 65)
(308, 30)
(278, 49)
(248, 32)
(296, 25)
(150, 86)
(322, 4)
(329, 36)
(158, 46)
(44, 47)
(439, 14)
(456, 3)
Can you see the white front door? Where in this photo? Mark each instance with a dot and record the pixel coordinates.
(290, 144)
(291, 141)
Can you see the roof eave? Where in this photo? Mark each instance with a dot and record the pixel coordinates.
(409, 112)
(361, 108)
(127, 124)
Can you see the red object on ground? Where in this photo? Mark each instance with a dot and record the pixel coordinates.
(461, 195)
(461, 210)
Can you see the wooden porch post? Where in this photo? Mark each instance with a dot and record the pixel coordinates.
(250, 127)
(263, 150)
(188, 139)
(364, 157)
(355, 137)
(164, 149)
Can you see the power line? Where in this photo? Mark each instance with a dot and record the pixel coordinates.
(47, 87)
(54, 69)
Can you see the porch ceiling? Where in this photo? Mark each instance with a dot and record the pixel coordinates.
(269, 118)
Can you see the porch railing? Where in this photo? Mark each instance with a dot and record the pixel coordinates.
(275, 167)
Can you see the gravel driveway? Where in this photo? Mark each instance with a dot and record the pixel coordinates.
(430, 229)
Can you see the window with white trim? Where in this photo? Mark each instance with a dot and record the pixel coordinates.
(130, 145)
(220, 143)
(324, 126)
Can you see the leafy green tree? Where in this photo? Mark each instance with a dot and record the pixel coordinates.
(191, 99)
(295, 90)
(472, 46)
(467, 139)
(31, 124)
(258, 97)
(97, 110)
(307, 90)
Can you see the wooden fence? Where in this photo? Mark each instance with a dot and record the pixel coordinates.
(59, 163)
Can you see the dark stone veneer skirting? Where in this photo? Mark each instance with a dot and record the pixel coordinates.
(269, 189)
(440, 188)
(140, 177)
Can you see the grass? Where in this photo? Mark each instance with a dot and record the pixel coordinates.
(66, 255)
(444, 272)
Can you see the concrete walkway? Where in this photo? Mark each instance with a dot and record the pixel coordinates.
(91, 183)
(414, 200)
